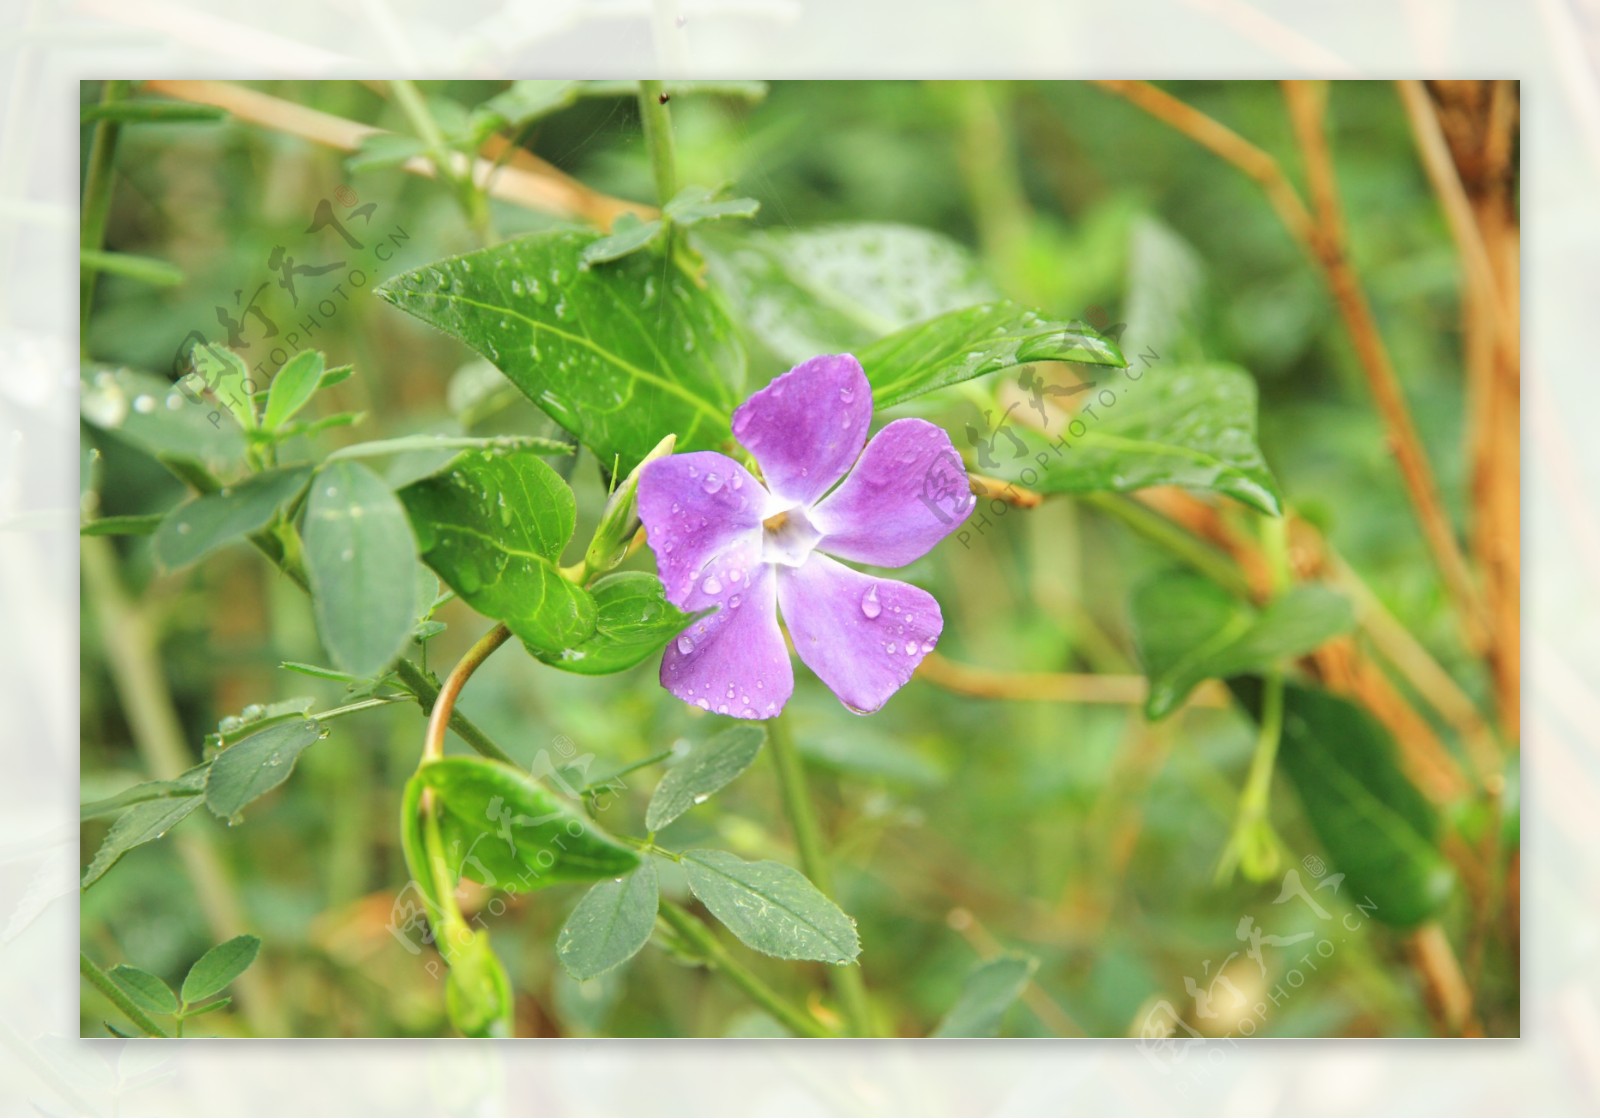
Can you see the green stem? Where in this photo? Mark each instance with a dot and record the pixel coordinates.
(444, 703)
(471, 200)
(657, 122)
(102, 983)
(1157, 529)
(716, 956)
(418, 683)
(847, 982)
(97, 203)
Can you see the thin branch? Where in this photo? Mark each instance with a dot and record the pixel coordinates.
(1320, 235)
(539, 188)
(1306, 104)
(1051, 687)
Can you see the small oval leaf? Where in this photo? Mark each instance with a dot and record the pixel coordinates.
(219, 967)
(150, 992)
(710, 766)
(257, 764)
(610, 924)
(200, 526)
(771, 907)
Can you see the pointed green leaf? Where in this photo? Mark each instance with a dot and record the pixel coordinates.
(138, 524)
(618, 355)
(504, 829)
(1379, 830)
(254, 766)
(186, 784)
(150, 992)
(203, 524)
(610, 924)
(628, 235)
(771, 907)
(1192, 426)
(292, 388)
(1189, 630)
(710, 766)
(524, 102)
(633, 621)
(154, 415)
(137, 826)
(493, 527)
(379, 150)
(836, 288)
(986, 996)
(695, 204)
(362, 561)
(975, 342)
(219, 967)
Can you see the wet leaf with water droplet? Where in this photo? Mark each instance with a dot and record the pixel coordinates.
(257, 764)
(610, 924)
(771, 907)
(203, 524)
(710, 766)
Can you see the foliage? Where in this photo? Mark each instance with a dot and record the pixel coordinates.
(270, 551)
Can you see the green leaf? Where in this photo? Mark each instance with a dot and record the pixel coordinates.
(986, 996)
(975, 342)
(524, 102)
(187, 784)
(362, 561)
(220, 1004)
(228, 378)
(628, 235)
(505, 830)
(152, 414)
(1193, 426)
(150, 111)
(411, 444)
(1189, 630)
(219, 967)
(709, 767)
(610, 924)
(835, 288)
(1378, 828)
(379, 150)
(619, 356)
(203, 524)
(144, 269)
(771, 907)
(292, 388)
(257, 764)
(493, 527)
(137, 826)
(142, 524)
(632, 622)
(150, 992)
(695, 204)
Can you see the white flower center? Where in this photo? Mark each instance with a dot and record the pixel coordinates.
(788, 538)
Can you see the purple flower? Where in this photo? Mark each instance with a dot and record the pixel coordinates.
(723, 539)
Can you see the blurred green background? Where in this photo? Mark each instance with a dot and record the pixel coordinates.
(1076, 832)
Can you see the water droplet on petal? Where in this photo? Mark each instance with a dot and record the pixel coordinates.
(911, 648)
(685, 646)
(712, 585)
(713, 483)
(870, 605)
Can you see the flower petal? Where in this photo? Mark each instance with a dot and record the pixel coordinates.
(864, 636)
(807, 426)
(733, 662)
(908, 492)
(694, 507)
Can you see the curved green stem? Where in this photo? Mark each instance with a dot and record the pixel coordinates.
(847, 982)
(682, 922)
(103, 983)
(444, 702)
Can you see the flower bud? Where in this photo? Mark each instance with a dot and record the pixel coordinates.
(478, 992)
(620, 520)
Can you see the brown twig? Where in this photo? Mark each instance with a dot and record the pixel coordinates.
(1050, 687)
(1001, 490)
(1449, 997)
(1321, 235)
(534, 184)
